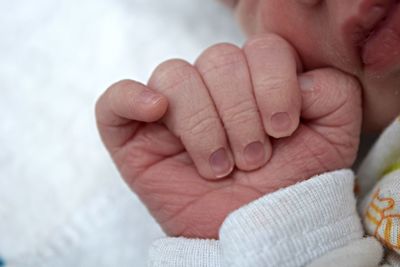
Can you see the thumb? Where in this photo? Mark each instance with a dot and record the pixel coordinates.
(332, 107)
(122, 107)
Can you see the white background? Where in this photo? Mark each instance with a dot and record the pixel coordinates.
(61, 201)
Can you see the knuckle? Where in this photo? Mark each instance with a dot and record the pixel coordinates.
(239, 114)
(353, 88)
(201, 127)
(118, 89)
(115, 96)
(220, 57)
(114, 90)
(221, 49)
(346, 81)
(348, 85)
(122, 84)
(171, 73)
(271, 83)
(352, 84)
(264, 41)
(112, 93)
(272, 46)
(200, 124)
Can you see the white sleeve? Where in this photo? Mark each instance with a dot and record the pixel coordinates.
(290, 227)
(184, 252)
(365, 252)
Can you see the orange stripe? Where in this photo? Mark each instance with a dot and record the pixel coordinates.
(388, 229)
(375, 207)
(389, 200)
(371, 218)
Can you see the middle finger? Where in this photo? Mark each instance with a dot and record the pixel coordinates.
(225, 72)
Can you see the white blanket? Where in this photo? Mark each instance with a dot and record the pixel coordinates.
(62, 203)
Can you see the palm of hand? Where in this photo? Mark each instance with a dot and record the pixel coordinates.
(156, 166)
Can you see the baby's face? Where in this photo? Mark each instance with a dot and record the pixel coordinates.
(351, 35)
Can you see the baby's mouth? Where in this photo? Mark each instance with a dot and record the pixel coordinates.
(379, 37)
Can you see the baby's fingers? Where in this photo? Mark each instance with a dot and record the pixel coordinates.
(331, 99)
(193, 118)
(273, 65)
(225, 72)
(122, 106)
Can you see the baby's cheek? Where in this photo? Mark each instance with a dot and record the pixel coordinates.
(246, 12)
(280, 17)
(230, 3)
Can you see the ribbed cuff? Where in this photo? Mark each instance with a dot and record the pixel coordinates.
(295, 225)
(183, 252)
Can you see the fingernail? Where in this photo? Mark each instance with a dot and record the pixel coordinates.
(148, 97)
(254, 153)
(306, 82)
(220, 163)
(280, 121)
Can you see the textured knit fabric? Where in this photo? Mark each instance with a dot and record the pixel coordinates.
(366, 252)
(290, 227)
(381, 211)
(187, 252)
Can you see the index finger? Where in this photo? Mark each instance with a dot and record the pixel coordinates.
(273, 65)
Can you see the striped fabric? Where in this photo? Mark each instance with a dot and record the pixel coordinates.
(380, 175)
(382, 220)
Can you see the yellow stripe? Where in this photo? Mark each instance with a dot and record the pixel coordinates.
(388, 229)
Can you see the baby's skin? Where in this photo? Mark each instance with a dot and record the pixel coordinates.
(359, 37)
(200, 141)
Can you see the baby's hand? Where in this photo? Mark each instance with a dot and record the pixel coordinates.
(220, 114)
